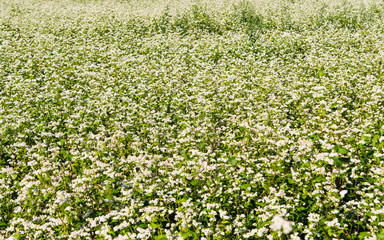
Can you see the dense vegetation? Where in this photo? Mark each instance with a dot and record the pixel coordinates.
(191, 120)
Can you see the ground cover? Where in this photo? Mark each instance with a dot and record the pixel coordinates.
(191, 119)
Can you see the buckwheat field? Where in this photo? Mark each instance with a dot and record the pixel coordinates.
(191, 119)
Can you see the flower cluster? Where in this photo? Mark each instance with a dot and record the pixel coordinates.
(185, 120)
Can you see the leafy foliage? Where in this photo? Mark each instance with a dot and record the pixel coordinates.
(138, 120)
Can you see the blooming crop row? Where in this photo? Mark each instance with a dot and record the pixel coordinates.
(191, 120)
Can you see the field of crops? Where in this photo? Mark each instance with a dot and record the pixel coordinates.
(155, 119)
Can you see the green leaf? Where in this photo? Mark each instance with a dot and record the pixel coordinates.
(143, 225)
(188, 234)
(380, 236)
(155, 225)
(161, 237)
(315, 137)
(3, 224)
(375, 138)
(17, 236)
(342, 150)
(112, 233)
(291, 181)
(232, 160)
(362, 235)
(300, 208)
(305, 165)
(182, 200)
(319, 179)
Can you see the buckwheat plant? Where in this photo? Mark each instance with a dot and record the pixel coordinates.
(193, 119)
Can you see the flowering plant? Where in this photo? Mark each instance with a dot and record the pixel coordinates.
(191, 120)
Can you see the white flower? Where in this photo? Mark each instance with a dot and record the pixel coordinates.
(279, 223)
(343, 192)
(295, 237)
(17, 209)
(313, 217)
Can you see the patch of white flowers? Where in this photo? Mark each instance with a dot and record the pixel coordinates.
(279, 224)
(191, 120)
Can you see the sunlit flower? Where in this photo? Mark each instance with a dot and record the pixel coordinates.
(133, 119)
(343, 193)
(278, 224)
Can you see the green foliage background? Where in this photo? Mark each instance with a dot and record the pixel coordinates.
(192, 120)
